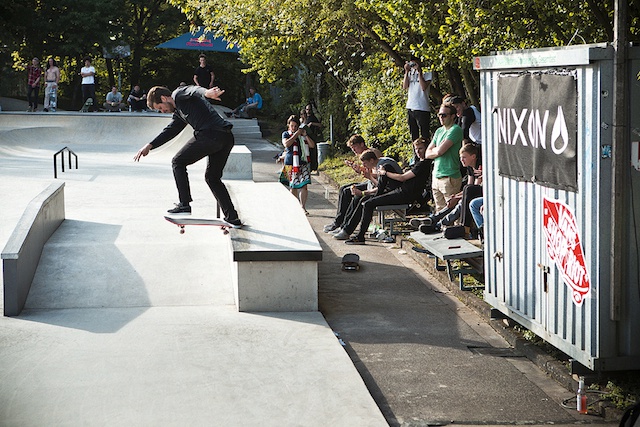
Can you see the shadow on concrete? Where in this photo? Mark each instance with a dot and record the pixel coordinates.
(81, 268)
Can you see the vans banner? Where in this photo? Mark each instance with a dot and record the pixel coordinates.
(537, 129)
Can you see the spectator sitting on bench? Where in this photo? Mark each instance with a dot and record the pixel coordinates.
(476, 206)
(137, 99)
(458, 205)
(249, 107)
(412, 184)
(114, 100)
(345, 195)
(376, 186)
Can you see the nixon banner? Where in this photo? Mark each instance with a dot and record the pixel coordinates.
(537, 129)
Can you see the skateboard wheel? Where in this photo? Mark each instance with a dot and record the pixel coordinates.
(181, 230)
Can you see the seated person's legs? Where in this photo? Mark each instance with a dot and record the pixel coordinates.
(352, 218)
(475, 206)
(395, 197)
(344, 199)
(469, 193)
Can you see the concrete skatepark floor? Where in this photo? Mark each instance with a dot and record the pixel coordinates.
(130, 323)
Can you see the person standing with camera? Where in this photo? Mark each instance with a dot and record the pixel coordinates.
(417, 83)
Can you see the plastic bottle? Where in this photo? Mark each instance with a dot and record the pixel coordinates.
(581, 398)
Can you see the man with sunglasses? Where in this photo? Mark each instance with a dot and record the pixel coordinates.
(443, 149)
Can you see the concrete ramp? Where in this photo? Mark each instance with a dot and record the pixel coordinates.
(130, 323)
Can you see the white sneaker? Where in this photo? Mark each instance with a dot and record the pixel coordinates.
(329, 227)
(342, 235)
(336, 231)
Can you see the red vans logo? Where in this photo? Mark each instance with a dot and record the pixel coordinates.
(564, 247)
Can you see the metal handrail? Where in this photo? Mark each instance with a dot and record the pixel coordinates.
(61, 153)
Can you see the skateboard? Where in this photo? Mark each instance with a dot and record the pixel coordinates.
(182, 222)
(53, 98)
(351, 262)
(87, 104)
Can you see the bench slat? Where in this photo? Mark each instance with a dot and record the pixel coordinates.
(447, 249)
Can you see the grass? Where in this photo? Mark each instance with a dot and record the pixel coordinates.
(340, 173)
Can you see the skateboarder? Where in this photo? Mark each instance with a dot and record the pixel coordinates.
(212, 138)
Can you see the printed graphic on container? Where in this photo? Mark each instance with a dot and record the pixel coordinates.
(564, 247)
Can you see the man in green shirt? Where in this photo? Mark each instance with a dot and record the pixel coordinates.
(444, 149)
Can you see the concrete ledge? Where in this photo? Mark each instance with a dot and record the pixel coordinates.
(239, 165)
(276, 253)
(21, 254)
(276, 286)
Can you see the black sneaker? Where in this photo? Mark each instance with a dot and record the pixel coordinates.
(430, 229)
(355, 241)
(235, 222)
(180, 209)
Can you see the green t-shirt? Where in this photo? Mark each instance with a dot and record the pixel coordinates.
(448, 165)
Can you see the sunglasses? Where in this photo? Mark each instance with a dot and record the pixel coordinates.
(443, 114)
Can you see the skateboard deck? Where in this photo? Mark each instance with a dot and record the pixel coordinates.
(183, 221)
(351, 262)
(88, 103)
(53, 99)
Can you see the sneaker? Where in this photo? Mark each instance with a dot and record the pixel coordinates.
(336, 231)
(417, 222)
(46, 110)
(342, 235)
(430, 229)
(355, 241)
(329, 227)
(235, 222)
(180, 209)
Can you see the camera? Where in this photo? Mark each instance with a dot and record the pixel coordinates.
(412, 64)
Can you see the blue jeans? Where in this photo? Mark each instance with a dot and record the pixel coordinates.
(474, 207)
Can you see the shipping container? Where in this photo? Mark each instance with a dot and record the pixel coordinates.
(547, 117)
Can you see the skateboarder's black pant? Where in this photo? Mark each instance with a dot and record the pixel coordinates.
(216, 145)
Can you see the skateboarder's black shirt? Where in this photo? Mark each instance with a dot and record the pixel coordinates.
(194, 109)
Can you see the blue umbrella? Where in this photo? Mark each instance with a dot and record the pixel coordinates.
(199, 41)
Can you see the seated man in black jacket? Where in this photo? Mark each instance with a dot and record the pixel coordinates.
(413, 182)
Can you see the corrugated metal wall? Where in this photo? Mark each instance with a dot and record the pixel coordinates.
(521, 280)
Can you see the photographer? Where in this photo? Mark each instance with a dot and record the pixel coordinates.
(417, 83)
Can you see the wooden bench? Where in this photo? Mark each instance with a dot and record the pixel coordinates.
(448, 250)
(275, 255)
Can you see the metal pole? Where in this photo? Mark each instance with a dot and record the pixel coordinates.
(331, 129)
(621, 156)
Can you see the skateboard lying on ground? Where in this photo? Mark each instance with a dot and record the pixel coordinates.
(351, 262)
(182, 221)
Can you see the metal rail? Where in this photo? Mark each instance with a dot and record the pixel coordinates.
(61, 153)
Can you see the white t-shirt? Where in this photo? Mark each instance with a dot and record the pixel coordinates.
(417, 99)
(475, 130)
(88, 80)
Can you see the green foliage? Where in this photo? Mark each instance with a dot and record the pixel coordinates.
(341, 174)
(381, 115)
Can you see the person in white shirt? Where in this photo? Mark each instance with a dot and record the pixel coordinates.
(88, 82)
(417, 83)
